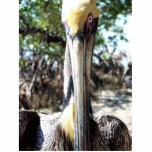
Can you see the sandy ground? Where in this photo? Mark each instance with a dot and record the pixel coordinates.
(117, 103)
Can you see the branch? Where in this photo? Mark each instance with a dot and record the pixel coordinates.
(49, 38)
(35, 75)
(23, 102)
(98, 57)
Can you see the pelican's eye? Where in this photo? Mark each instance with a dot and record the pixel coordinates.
(90, 19)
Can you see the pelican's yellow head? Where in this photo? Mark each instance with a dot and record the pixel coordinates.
(75, 13)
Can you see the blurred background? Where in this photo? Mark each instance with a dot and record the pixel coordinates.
(41, 58)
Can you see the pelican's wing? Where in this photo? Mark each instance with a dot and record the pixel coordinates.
(28, 123)
(35, 130)
(115, 132)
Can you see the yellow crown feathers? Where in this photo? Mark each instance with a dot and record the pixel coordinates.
(75, 13)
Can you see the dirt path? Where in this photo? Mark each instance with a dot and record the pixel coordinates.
(117, 103)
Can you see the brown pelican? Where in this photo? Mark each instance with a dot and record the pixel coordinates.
(76, 128)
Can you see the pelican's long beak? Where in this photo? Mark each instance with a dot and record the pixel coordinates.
(81, 65)
(81, 48)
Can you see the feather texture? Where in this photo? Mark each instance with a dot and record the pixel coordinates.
(46, 133)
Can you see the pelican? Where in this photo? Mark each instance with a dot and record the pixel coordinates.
(75, 128)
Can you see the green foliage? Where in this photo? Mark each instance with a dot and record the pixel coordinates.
(39, 20)
(111, 13)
